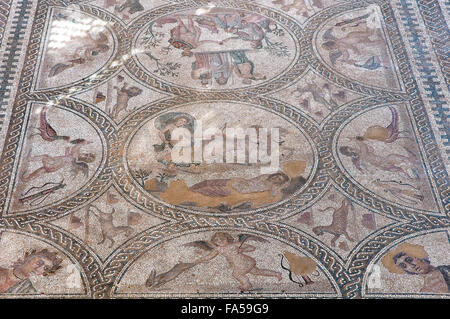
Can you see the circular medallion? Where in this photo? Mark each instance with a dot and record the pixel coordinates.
(198, 157)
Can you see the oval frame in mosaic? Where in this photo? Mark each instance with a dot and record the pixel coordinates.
(131, 187)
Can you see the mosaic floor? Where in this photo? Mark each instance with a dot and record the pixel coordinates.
(192, 148)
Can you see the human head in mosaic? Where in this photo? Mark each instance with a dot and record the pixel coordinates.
(407, 259)
(43, 262)
(412, 265)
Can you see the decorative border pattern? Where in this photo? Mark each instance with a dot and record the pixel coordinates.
(5, 8)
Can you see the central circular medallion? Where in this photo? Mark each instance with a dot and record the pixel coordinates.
(214, 48)
(199, 157)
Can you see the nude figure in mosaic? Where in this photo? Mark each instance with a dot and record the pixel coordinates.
(364, 154)
(72, 158)
(93, 47)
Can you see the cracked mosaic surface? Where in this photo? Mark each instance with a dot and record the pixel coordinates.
(353, 95)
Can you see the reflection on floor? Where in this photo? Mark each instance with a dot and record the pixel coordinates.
(284, 148)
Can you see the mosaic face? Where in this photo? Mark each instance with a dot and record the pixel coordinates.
(355, 44)
(212, 176)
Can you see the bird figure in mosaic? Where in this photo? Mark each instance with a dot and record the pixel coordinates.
(315, 91)
(46, 131)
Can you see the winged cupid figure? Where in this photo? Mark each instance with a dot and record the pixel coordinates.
(221, 243)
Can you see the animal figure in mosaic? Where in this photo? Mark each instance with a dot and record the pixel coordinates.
(124, 94)
(338, 226)
(47, 132)
(109, 230)
(156, 281)
(341, 48)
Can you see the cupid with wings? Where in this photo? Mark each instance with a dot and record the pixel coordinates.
(223, 244)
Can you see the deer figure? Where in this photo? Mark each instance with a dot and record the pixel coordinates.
(109, 230)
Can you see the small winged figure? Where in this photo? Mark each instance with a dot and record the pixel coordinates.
(233, 250)
(221, 243)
